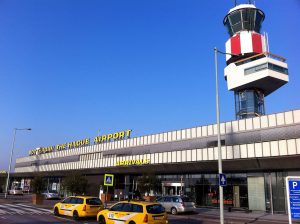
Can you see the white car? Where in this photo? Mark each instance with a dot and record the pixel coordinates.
(51, 194)
(177, 204)
(16, 191)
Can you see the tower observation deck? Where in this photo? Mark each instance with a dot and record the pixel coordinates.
(252, 72)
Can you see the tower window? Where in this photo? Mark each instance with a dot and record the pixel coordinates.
(264, 66)
(249, 19)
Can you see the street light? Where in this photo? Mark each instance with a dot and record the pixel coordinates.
(11, 154)
(219, 135)
(219, 139)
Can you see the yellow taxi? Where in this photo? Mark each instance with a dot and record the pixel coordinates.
(78, 206)
(133, 212)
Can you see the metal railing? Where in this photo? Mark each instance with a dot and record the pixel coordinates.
(261, 55)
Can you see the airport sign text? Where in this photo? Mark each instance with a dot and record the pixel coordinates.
(83, 142)
(132, 162)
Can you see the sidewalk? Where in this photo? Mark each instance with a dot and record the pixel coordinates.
(253, 216)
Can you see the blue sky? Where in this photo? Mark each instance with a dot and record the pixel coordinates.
(69, 67)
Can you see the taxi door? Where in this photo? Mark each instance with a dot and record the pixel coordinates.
(127, 213)
(115, 213)
(65, 207)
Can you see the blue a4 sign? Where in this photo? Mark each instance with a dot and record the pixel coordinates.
(293, 197)
(222, 180)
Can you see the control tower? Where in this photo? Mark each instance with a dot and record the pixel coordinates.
(252, 72)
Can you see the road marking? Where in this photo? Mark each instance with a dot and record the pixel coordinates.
(31, 210)
(37, 208)
(7, 207)
(2, 212)
(21, 209)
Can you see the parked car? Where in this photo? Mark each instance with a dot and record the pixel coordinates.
(51, 194)
(177, 204)
(78, 207)
(133, 212)
(16, 191)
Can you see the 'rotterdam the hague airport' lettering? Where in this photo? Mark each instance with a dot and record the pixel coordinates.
(133, 162)
(83, 142)
(114, 136)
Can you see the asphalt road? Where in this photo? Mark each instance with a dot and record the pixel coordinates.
(27, 214)
(19, 210)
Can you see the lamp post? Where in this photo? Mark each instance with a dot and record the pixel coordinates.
(11, 154)
(220, 169)
(219, 139)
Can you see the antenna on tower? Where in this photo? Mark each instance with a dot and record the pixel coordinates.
(234, 2)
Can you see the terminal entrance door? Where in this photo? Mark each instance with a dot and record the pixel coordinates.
(240, 196)
(236, 197)
(172, 188)
(256, 193)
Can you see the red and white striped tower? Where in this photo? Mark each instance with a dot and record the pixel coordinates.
(251, 72)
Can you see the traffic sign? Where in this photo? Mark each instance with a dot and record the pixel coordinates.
(108, 180)
(222, 180)
(293, 197)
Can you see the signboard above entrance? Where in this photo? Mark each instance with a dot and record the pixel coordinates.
(83, 142)
(132, 162)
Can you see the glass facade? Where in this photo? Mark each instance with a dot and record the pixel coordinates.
(244, 19)
(203, 189)
(244, 191)
(249, 103)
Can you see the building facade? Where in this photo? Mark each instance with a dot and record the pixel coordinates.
(258, 150)
(258, 153)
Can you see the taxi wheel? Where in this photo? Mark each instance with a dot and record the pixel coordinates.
(131, 222)
(173, 211)
(56, 213)
(75, 215)
(101, 220)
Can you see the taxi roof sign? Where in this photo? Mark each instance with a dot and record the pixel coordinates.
(108, 180)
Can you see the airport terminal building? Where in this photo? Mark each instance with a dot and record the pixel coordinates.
(258, 153)
(258, 150)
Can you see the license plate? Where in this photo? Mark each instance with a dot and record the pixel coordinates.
(158, 218)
